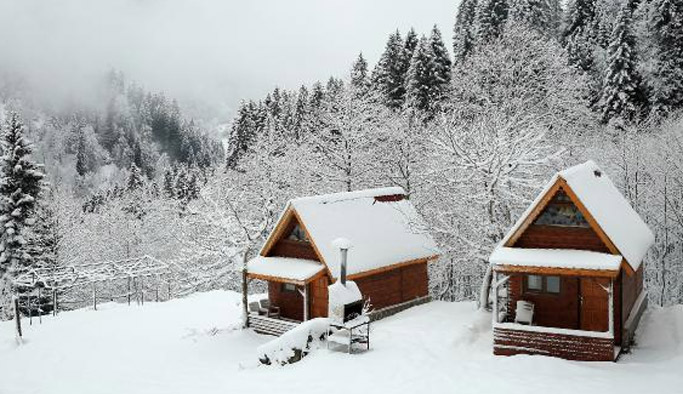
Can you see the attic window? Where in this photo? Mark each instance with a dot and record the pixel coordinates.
(597, 173)
(561, 212)
(390, 198)
(298, 234)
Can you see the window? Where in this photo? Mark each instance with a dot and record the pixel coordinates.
(288, 287)
(534, 282)
(542, 284)
(552, 284)
(298, 234)
(561, 211)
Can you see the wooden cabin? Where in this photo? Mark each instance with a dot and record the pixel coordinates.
(388, 259)
(574, 263)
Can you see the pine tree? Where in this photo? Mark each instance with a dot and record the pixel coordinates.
(622, 96)
(442, 61)
(421, 79)
(540, 15)
(409, 45)
(464, 31)
(580, 17)
(491, 18)
(81, 154)
(21, 181)
(388, 77)
(44, 239)
(667, 25)
(135, 180)
(359, 75)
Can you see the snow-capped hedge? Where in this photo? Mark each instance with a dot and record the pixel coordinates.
(294, 344)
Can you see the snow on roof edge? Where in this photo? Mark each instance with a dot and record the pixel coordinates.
(555, 258)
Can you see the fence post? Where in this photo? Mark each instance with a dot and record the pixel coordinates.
(40, 305)
(170, 295)
(142, 291)
(94, 295)
(17, 316)
(30, 310)
(54, 302)
(128, 295)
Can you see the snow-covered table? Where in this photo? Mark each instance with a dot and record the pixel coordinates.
(350, 332)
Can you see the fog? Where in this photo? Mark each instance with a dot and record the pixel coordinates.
(206, 53)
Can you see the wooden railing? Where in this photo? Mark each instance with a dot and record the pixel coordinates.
(270, 326)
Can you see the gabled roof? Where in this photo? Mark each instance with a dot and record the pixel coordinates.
(608, 212)
(384, 228)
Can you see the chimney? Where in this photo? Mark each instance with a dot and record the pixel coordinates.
(342, 271)
(344, 245)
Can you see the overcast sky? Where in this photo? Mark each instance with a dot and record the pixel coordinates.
(213, 51)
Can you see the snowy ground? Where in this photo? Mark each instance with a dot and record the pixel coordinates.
(191, 346)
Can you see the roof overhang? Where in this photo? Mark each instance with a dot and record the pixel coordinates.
(569, 262)
(284, 269)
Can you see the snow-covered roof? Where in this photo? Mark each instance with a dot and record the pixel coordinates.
(613, 213)
(555, 258)
(284, 268)
(382, 228)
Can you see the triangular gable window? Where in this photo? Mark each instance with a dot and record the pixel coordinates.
(298, 234)
(561, 212)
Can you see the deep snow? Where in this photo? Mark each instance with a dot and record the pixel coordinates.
(193, 345)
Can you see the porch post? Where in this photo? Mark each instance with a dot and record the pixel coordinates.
(305, 302)
(495, 295)
(610, 294)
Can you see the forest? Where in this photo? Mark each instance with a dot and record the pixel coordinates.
(471, 133)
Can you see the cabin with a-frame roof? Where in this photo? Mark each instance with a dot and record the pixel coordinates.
(568, 277)
(388, 259)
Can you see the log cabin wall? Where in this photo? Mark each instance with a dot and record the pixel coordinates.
(556, 237)
(395, 286)
(550, 310)
(295, 249)
(319, 296)
(290, 302)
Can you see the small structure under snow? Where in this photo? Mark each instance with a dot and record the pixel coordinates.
(388, 251)
(574, 262)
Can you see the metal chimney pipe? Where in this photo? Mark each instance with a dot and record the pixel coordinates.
(342, 273)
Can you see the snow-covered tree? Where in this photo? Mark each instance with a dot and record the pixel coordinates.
(464, 30)
(491, 16)
(622, 96)
(542, 15)
(421, 93)
(21, 181)
(359, 74)
(667, 27)
(388, 75)
(441, 58)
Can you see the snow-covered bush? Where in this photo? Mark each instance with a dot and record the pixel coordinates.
(295, 344)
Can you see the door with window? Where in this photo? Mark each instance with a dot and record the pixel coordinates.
(594, 304)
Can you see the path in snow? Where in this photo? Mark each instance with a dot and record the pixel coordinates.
(192, 345)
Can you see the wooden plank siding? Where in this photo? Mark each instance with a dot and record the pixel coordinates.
(507, 342)
(319, 296)
(555, 237)
(295, 249)
(291, 303)
(395, 286)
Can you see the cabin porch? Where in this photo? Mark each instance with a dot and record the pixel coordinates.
(564, 313)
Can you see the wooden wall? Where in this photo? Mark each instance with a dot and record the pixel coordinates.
(291, 303)
(319, 297)
(296, 249)
(555, 237)
(395, 286)
(551, 310)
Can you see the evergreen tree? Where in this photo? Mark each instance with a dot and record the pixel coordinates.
(464, 31)
(667, 26)
(580, 17)
(409, 45)
(621, 93)
(81, 154)
(421, 80)
(541, 15)
(388, 77)
(442, 61)
(491, 18)
(21, 181)
(135, 180)
(44, 239)
(359, 74)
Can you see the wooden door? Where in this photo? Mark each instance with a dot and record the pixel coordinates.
(594, 305)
